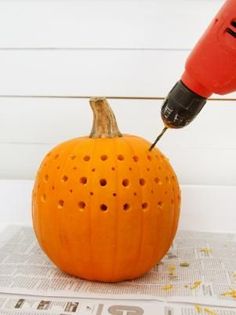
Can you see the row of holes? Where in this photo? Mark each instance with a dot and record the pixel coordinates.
(103, 182)
(92, 193)
(112, 168)
(104, 157)
(104, 207)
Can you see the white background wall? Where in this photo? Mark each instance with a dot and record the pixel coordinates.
(106, 47)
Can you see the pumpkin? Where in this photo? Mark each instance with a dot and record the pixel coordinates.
(105, 207)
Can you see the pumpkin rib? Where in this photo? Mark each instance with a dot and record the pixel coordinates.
(175, 211)
(116, 209)
(142, 214)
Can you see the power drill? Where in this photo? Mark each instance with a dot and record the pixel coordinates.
(210, 68)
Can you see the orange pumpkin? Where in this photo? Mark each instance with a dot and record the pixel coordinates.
(105, 207)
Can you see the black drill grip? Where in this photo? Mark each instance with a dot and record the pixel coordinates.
(181, 106)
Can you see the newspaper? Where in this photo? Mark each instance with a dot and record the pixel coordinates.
(199, 269)
(28, 305)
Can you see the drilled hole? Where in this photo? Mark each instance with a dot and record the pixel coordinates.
(148, 169)
(142, 181)
(53, 187)
(126, 206)
(159, 203)
(83, 180)
(58, 167)
(130, 168)
(149, 157)
(43, 198)
(120, 157)
(114, 194)
(167, 179)
(113, 168)
(103, 182)
(125, 182)
(46, 177)
(104, 157)
(71, 191)
(75, 168)
(93, 169)
(135, 158)
(86, 158)
(60, 204)
(91, 193)
(144, 205)
(56, 156)
(81, 204)
(135, 194)
(103, 207)
(152, 192)
(172, 177)
(73, 157)
(65, 178)
(157, 180)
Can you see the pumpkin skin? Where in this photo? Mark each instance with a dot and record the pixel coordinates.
(105, 209)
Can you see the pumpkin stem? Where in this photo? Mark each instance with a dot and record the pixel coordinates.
(104, 121)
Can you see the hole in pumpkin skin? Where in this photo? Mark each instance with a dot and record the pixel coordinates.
(103, 182)
(83, 180)
(144, 205)
(125, 182)
(113, 169)
(86, 158)
(71, 191)
(130, 168)
(73, 157)
(53, 187)
(160, 203)
(103, 207)
(75, 168)
(142, 181)
(135, 194)
(81, 205)
(104, 157)
(56, 156)
(149, 157)
(58, 167)
(65, 178)
(114, 194)
(60, 204)
(91, 193)
(157, 180)
(46, 178)
(93, 169)
(120, 157)
(43, 198)
(135, 158)
(126, 206)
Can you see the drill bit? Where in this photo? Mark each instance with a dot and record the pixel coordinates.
(158, 138)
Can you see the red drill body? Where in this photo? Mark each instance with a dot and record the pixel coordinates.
(210, 68)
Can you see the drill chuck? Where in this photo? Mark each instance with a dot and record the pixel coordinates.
(181, 106)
